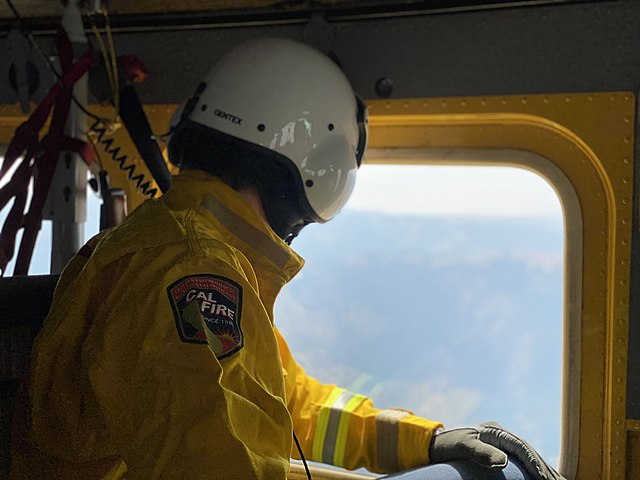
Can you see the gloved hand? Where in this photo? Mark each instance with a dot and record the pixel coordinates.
(488, 445)
(465, 444)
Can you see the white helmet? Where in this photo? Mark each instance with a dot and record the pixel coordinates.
(290, 100)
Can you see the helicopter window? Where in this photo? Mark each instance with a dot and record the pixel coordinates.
(41, 260)
(439, 289)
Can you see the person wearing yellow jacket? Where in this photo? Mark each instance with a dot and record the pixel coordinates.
(160, 358)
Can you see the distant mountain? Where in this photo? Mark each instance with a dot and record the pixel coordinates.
(459, 319)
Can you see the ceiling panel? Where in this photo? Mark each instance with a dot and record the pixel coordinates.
(53, 8)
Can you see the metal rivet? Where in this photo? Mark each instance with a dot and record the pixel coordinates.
(261, 127)
(330, 127)
(203, 107)
(309, 183)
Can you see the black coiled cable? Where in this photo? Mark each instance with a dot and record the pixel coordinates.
(113, 151)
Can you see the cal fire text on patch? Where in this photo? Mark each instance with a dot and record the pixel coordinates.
(207, 309)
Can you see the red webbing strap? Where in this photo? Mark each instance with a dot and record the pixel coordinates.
(45, 154)
(46, 162)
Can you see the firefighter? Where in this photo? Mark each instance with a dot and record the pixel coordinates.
(160, 358)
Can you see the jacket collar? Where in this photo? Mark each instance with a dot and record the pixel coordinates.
(242, 227)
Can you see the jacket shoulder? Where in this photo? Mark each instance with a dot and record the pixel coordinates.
(151, 225)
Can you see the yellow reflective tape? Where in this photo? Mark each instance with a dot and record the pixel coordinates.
(343, 429)
(329, 447)
(322, 422)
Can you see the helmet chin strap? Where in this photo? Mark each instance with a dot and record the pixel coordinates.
(283, 216)
(295, 230)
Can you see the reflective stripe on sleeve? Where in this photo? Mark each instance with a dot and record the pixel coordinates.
(332, 427)
(387, 427)
(322, 423)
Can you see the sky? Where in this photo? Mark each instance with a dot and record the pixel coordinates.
(421, 191)
(453, 190)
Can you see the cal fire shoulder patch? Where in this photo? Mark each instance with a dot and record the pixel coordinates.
(207, 309)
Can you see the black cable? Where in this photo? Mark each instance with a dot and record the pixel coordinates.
(137, 125)
(304, 460)
(15, 12)
(49, 63)
(113, 151)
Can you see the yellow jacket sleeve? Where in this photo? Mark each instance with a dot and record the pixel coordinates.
(341, 428)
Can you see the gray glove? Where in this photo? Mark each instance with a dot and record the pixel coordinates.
(465, 444)
(488, 445)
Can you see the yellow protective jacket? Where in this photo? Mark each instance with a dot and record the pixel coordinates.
(159, 359)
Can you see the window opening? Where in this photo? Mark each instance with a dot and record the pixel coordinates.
(439, 289)
(41, 260)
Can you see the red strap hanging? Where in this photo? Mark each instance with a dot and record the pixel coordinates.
(40, 158)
